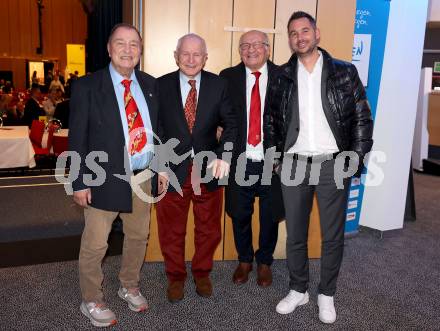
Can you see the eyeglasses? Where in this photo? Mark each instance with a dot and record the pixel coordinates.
(256, 45)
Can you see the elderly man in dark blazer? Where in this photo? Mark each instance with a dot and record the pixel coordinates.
(193, 102)
(247, 84)
(32, 109)
(114, 115)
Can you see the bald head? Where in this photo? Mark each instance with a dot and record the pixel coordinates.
(254, 33)
(191, 54)
(194, 38)
(254, 49)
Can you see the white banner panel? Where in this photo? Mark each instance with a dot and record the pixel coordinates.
(384, 203)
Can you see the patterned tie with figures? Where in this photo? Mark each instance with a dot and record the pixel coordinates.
(136, 130)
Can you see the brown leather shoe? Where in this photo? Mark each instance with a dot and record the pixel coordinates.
(241, 274)
(203, 286)
(264, 275)
(175, 290)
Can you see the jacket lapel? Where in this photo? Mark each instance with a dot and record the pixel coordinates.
(202, 100)
(109, 109)
(148, 92)
(241, 83)
(327, 72)
(180, 107)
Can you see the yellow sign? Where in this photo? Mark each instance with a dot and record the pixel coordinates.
(76, 59)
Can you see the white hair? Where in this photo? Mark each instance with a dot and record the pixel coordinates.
(191, 36)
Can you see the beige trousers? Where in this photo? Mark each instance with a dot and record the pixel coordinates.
(98, 224)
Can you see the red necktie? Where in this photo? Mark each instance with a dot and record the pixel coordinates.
(254, 134)
(190, 105)
(136, 130)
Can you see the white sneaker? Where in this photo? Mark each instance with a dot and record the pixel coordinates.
(136, 301)
(291, 301)
(327, 311)
(98, 313)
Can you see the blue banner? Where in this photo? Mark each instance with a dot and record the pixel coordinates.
(370, 32)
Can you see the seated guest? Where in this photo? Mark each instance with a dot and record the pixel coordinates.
(50, 104)
(8, 88)
(32, 109)
(62, 113)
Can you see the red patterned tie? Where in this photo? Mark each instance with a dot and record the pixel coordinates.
(254, 134)
(191, 105)
(136, 130)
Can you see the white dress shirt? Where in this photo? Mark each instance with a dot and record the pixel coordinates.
(315, 136)
(185, 87)
(255, 152)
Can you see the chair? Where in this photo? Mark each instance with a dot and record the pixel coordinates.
(36, 136)
(37, 132)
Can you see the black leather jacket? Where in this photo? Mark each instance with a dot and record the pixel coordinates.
(344, 102)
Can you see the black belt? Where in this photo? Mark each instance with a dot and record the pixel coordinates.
(137, 171)
(309, 159)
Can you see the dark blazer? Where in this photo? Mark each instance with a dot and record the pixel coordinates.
(95, 125)
(213, 109)
(236, 77)
(32, 111)
(62, 113)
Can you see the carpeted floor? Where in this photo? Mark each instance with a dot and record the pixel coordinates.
(391, 283)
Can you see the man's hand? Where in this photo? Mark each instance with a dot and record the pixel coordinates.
(163, 182)
(83, 198)
(219, 168)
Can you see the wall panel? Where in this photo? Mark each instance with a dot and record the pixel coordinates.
(4, 28)
(164, 22)
(212, 30)
(337, 34)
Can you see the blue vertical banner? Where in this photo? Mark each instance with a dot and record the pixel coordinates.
(370, 32)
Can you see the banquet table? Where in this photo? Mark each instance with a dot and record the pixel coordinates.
(16, 148)
(60, 141)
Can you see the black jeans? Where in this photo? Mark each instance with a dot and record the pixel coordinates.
(242, 220)
(332, 202)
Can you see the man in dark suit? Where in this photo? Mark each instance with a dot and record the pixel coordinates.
(113, 114)
(247, 83)
(62, 111)
(32, 109)
(193, 103)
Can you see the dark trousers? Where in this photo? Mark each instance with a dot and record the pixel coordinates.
(332, 204)
(172, 216)
(242, 219)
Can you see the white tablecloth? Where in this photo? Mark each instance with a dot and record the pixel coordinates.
(16, 148)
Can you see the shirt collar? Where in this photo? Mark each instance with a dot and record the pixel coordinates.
(263, 70)
(117, 77)
(318, 64)
(184, 78)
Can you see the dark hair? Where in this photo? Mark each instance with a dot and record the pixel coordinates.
(301, 14)
(123, 25)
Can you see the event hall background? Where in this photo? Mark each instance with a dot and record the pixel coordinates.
(390, 277)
